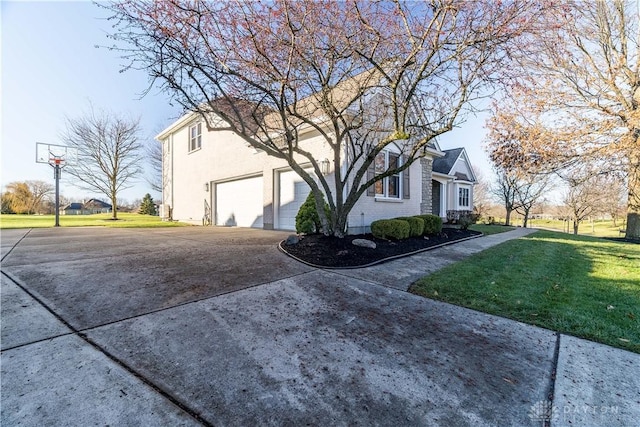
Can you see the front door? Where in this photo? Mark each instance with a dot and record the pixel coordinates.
(435, 197)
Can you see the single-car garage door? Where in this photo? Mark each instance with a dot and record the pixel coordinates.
(239, 203)
(293, 193)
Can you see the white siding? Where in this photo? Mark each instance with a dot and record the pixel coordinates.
(369, 208)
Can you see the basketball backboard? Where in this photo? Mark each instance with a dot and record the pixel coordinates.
(56, 154)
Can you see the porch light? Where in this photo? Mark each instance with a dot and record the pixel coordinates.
(324, 166)
(206, 187)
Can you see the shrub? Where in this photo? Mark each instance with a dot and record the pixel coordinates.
(416, 225)
(390, 228)
(307, 218)
(467, 219)
(432, 223)
(465, 222)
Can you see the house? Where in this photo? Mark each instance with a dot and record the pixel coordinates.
(215, 177)
(452, 184)
(89, 207)
(95, 206)
(73, 209)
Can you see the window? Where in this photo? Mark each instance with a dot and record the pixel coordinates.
(195, 137)
(463, 197)
(388, 186)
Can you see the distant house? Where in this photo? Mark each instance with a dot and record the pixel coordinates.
(95, 206)
(73, 209)
(452, 184)
(90, 207)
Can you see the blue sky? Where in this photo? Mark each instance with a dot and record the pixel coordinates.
(51, 69)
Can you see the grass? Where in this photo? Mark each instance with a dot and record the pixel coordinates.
(125, 220)
(577, 285)
(490, 229)
(598, 228)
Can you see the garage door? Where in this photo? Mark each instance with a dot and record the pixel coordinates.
(293, 193)
(239, 203)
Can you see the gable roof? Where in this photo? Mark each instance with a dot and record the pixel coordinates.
(73, 206)
(95, 203)
(446, 163)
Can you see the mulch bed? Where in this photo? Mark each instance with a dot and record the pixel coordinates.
(327, 251)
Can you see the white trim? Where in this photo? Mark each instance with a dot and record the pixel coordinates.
(388, 199)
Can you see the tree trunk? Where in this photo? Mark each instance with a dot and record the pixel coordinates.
(507, 220)
(114, 208)
(575, 227)
(525, 219)
(633, 207)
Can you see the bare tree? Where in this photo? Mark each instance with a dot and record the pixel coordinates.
(584, 197)
(614, 195)
(362, 75)
(153, 153)
(40, 190)
(109, 153)
(504, 189)
(578, 92)
(481, 193)
(518, 191)
(529, 192)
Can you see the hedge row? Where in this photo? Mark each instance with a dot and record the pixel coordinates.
(404, 227)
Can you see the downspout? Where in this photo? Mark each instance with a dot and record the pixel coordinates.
(172, 180)
(345, 189)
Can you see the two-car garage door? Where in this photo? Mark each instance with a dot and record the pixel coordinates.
(240, 203)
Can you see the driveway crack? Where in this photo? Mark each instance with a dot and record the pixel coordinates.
(16, 244)
(113, 358)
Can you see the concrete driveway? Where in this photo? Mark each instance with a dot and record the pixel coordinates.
(214, 326)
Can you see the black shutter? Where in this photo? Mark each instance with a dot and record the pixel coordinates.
(405, 180)
(371, 173)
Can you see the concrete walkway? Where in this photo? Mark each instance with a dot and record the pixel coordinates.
(401, 273)
(155, 327)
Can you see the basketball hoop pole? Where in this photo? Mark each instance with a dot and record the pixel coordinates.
(56, 174)
(56, 156)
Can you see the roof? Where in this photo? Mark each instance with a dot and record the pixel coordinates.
(73, 206)
(92, 203)
(95, 203)
(446, 163)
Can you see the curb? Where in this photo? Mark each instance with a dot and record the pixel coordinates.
(380, 261)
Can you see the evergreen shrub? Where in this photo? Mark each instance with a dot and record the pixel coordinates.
(307, 218)
(390, 228)
(432, 224)
(416, 225)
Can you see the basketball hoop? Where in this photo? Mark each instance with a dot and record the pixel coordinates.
(57, 156)
(56, 161)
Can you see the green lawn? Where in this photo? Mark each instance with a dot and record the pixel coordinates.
(577, 285)
(599, 228)
(131, 220)
(490, 229)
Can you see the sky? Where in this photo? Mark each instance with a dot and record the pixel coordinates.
(51, 70)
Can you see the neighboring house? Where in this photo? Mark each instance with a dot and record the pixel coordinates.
(215, 177)
(92, 206)
(73, 209)
(452, 184)
(95, 206)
